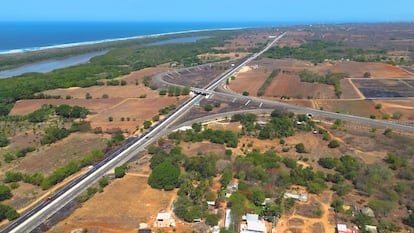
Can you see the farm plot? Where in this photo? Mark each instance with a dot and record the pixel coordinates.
(385, 88)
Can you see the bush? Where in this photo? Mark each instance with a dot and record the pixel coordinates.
(208, 107)
(300, 148)
(5, 192)
(3, 140)
(212, 219)
(120, 171)
(147, 124)
(328, 162)
(333, 144)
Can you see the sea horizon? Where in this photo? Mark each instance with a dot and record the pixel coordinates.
(20, 37)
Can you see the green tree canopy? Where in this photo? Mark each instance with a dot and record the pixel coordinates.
(164, 176)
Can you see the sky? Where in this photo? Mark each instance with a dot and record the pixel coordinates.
(209, 10)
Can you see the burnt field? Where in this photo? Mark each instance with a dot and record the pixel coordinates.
(198, 76)
(385, 88)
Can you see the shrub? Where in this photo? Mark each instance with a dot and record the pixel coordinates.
(333, 144)
(300, 148)
(208, 107)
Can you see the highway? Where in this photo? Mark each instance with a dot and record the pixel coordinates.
(33, 218)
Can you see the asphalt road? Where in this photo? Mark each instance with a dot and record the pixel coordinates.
(33, 218)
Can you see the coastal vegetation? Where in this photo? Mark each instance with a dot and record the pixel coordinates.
(119, 61)
(318, 51)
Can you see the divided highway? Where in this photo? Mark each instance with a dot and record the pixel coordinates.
(43, 211)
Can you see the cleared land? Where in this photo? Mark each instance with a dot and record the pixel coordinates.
(123, 205)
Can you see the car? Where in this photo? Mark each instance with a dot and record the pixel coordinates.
(48, 199)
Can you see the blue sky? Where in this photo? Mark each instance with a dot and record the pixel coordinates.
(208, 10)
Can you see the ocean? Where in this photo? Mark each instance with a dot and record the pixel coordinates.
(29, 36)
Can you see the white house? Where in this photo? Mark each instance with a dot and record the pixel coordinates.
(253, 224)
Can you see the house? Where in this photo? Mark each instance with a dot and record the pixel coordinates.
(342, 228)
(300, 196)
(252, 224)
(371, 229)
(368, 212)
(144, 231)
(232, 187)
(227, 220)
(164, 220)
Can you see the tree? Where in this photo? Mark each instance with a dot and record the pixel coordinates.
(103, 181)
(328, 162)
(147, 124)
(245, 93)
(5, 192)
(88, 95)
(338, 205)
(212, 219)
(120, 172)
(367, 75)
(164, 176)
(3, 140)
(300, 148)
(257, 197)
(333, 144)
(208, 107)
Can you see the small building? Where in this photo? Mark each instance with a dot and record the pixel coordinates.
(368, 212)
(164, 220)
(144, 231)
(232, 187)
(342, 228)
(300, 196)
(211, 203)
(371, 229)
(227, 220)
(252, 224)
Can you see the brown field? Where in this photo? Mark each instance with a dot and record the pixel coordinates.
(58, 154)
(193, 149)
(251, 80)
(391, 106)
(349, 90)
(137, 109)
(248, 80)
(357, 69)
(212, 56)
(364, 108)
(290, 85)
(123, 205)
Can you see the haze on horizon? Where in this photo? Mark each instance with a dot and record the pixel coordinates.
(209, 11)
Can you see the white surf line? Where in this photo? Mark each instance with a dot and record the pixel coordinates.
(68, 45)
